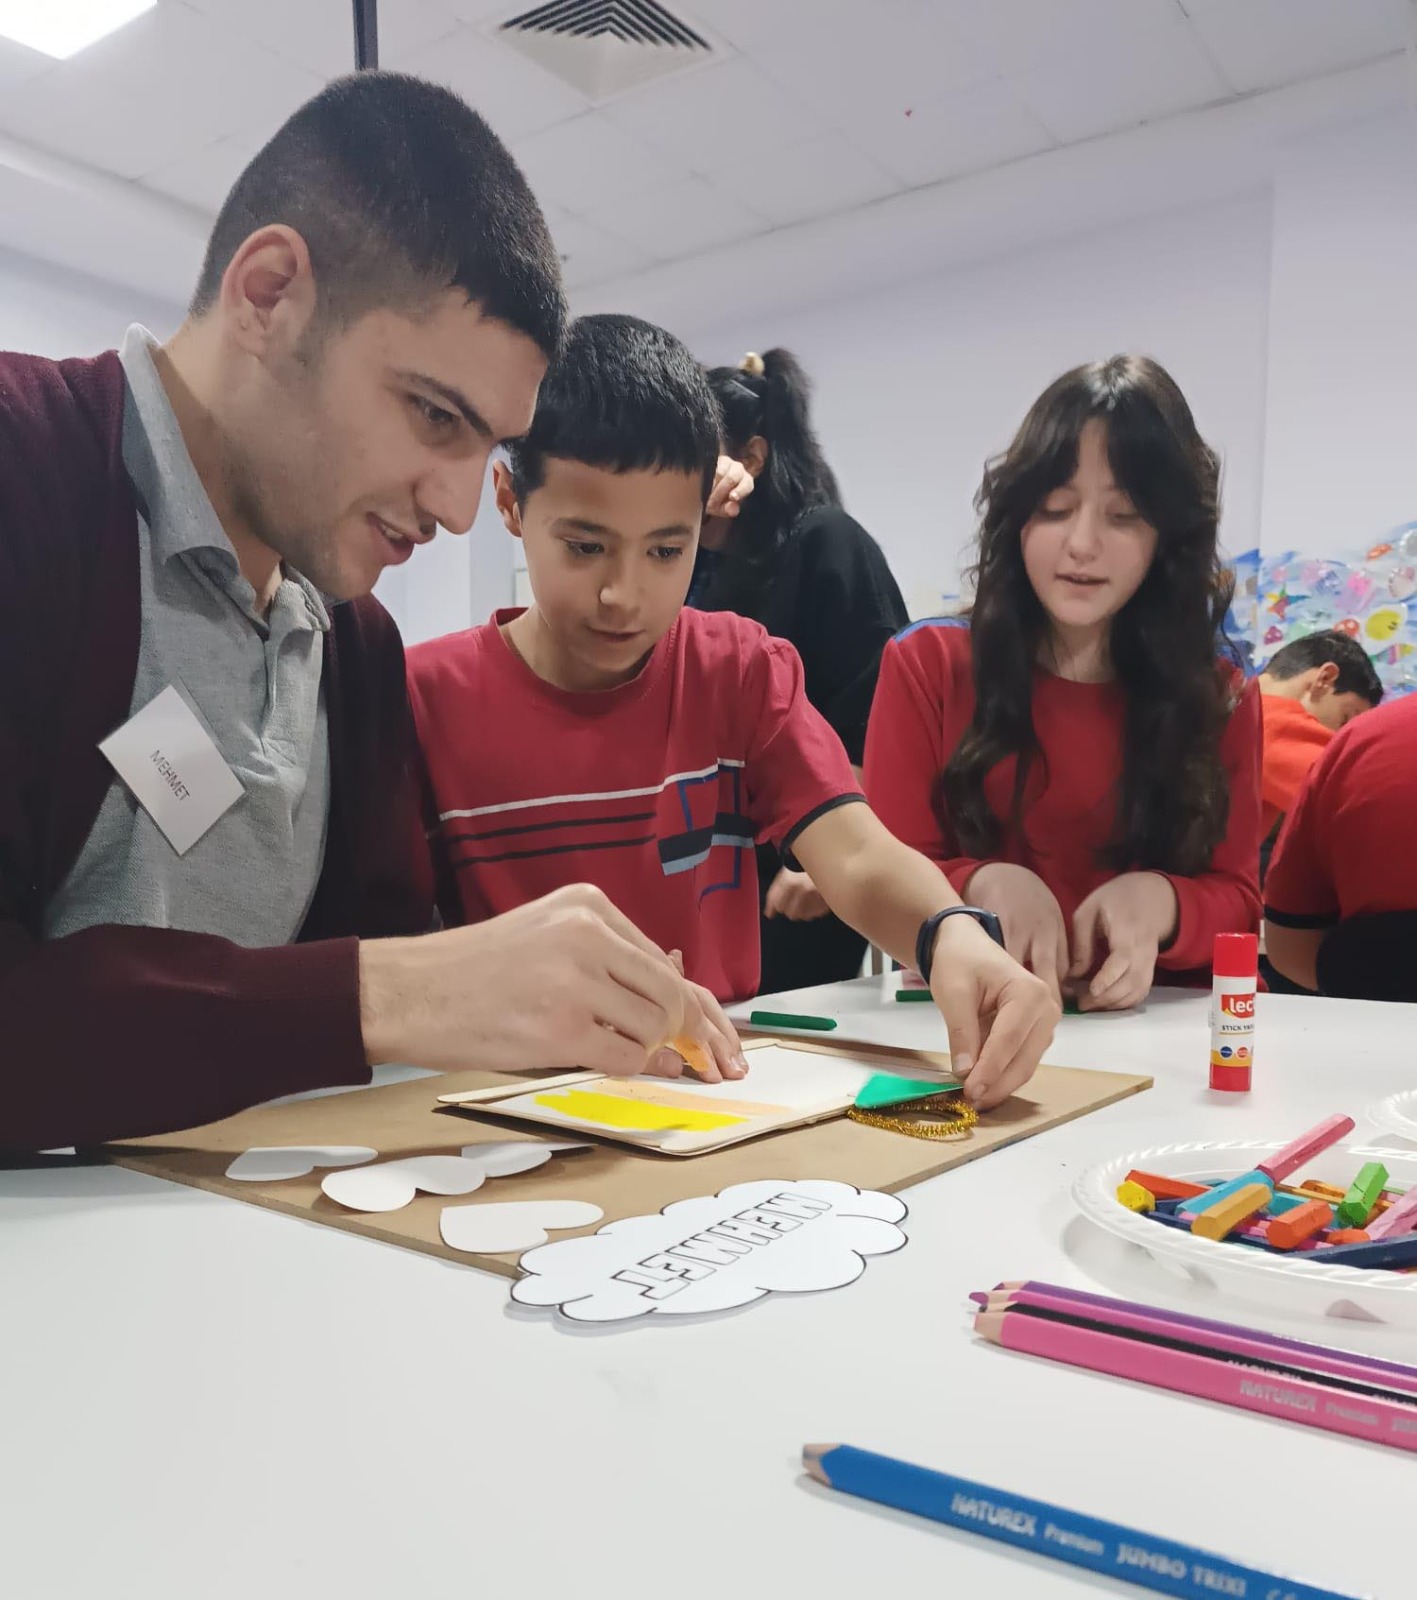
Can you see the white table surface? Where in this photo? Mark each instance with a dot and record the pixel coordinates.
(201, 1399)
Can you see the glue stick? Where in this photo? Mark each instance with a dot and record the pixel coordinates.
(1232, 1010)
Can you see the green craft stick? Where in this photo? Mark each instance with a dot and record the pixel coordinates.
(913, 994)
(788, 1019)
(1357, 1205)
(886, 1089)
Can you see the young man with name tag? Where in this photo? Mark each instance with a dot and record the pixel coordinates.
(211, 857)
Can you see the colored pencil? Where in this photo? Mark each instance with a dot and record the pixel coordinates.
(1327, 1405)
(1245, 1343)
(1295, 1347)
(1163, 1566)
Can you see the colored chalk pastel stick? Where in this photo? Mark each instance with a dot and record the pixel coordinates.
(1287, 1161)
(1227, 1215)
(1222, 1191)
(1282, 1204)
(1399, 1217)
(913, 994)
(1322, 1191)
(1357, 1204)
(1289, 1231)
(1167, 1188)
(1169, 1207)
(1348, 1236)
(1136, 1198)
(791, 1019)
(1392, 1253)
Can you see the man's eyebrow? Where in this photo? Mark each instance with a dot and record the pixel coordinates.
(455, 400)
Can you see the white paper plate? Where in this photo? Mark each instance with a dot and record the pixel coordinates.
(1291, 1282)
(1398, 1114)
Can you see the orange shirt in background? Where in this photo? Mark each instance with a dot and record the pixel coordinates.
(1294, 739)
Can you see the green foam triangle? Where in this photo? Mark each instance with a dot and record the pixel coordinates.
(886, 1089)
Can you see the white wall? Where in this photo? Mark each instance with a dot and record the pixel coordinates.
(51, 311)
(916, 388)
(1341, 418)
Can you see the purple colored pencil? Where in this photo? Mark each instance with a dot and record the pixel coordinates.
(1299, 1346)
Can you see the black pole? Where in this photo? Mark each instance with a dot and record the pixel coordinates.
(366, 34)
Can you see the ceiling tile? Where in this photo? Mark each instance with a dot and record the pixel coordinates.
(171, 81)
(584, 163)
(969, 131)
(817, 178)
(845, 56)
(483, 10)
(682, 220)
(19, 64)
(515, 95)
(719, 116)
(592, 256)
(319, 36)
(1259, 44)
(203, 178)
(1100, 85)
(1026, 33)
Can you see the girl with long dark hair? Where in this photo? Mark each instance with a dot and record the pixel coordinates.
(1077, 757)
(793, 560)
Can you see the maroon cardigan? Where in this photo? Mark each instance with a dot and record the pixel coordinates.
(117, 1032)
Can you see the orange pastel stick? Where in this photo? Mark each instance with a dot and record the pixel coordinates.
(1303, 1222)
(1348, 1236)
(1166, 1188)
(1322, 1191)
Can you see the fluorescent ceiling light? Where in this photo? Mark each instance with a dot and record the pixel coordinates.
(62, 28)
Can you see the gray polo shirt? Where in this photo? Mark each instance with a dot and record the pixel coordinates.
(255, 682)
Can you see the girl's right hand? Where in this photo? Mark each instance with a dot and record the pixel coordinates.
(1035, 933)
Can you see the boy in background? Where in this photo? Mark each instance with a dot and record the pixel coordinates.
(607, 734)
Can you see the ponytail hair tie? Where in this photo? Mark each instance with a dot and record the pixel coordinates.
(752, 364)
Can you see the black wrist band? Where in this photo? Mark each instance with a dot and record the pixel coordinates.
(925, 939)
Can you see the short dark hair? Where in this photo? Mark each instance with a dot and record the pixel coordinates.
(623, 395)
(400, 190)
(1356, 673)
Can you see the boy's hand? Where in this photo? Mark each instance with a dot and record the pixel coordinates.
(709, 1025)
(1133, 915)
(793, 895)
(1034, 931)
(732, 484)
(565, 981)
(1000, 1017)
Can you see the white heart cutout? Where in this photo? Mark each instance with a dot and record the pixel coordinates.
(269, 1163)
(507, 1157)
(392, 1184)
(511, 1224)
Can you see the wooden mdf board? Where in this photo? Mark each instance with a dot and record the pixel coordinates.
(404, 1119)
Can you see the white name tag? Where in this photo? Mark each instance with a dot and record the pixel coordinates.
(167, 758)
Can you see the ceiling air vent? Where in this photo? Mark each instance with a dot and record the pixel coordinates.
(604, 47)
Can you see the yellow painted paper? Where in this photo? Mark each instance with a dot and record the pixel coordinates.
(618, 1111)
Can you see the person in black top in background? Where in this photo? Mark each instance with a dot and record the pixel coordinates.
(794, 561)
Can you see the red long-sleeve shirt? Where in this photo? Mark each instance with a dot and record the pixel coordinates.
(925, 701)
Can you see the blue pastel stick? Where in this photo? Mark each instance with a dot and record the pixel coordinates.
(1400, 1251)
(1161, 1565)
(1222, 1191)
(1281, 1203)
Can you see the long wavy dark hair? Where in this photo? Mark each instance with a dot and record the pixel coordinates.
(768, 396)
(1172, 799)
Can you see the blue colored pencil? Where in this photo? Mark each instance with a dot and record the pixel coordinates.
(1161, 1565)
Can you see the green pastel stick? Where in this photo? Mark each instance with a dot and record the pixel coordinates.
(1357, 1205)
(913, 994)
(886, 1089)
(790, 1019)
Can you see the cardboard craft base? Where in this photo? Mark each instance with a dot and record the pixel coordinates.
(404, 1119)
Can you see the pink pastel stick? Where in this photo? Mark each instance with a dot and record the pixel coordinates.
(1305, 1148)
(1256, 1346)
(1400, 1217)
(1315, 1405)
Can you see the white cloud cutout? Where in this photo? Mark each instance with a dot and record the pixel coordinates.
(773, 1236)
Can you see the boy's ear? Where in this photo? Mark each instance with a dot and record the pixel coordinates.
(505, 494)
(1324, 679)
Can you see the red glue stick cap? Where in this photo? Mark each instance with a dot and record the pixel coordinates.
(1237, 955)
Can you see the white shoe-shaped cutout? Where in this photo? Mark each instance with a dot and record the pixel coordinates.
(270, 1163)
(392, 1184)
(499, 1226)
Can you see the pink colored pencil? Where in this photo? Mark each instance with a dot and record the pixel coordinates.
(1400, 1217)
(1315, 1405)
(1305, 1148)
(1381, 1369)
(1249, 1345)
